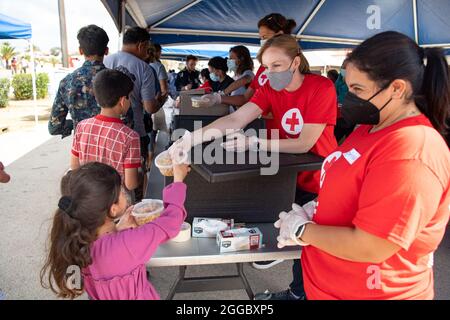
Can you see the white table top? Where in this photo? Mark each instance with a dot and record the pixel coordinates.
(202, 251)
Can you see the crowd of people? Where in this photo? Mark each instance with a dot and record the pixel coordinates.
(381, 199)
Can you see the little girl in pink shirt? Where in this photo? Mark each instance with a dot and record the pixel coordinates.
(111, 257)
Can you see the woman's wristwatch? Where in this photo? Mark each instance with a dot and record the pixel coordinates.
(300, 231)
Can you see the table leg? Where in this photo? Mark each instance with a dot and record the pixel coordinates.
(240, 269)
(198, 284)
(178, 281)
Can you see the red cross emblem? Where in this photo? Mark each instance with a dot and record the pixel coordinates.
(327, 164)
(292, 121)
(262, 79)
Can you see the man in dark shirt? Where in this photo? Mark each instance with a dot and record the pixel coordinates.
(75, 93)
(189, 78)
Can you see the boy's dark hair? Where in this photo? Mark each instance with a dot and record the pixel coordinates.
(110, 85)
(93, 40)
(87, 196)
(218, 63)
(191, 57)
(135, 35)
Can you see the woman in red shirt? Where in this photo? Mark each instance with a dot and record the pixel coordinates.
(303, 105)
(304, 109)
(384, 200)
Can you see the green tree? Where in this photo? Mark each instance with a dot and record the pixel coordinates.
(55, 51)
(35, 49)
(7, 52)
(54, 61)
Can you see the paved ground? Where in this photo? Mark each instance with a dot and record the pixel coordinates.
(27, 204)
(18, 131)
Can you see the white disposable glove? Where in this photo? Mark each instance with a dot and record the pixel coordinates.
(209, 100)
(178, 151)
(238, 142)
(289, 223)
(310, 208)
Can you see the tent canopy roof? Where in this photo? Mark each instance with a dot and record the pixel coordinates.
(11, 28)
(320, 23)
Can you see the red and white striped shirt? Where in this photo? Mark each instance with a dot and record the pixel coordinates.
(109, 141)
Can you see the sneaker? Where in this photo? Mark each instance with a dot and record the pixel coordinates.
(282, 295)
(262, 265)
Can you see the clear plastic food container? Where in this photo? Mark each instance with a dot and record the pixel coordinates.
(164, 163)
(147, 210)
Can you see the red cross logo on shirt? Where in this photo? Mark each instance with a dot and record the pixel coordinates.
(327, 164)
(262, 79)
(292, 121)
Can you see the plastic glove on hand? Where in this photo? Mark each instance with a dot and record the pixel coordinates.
(289, 223)
(178, 151)
(209, 100)
(238, 142)
(310, 208)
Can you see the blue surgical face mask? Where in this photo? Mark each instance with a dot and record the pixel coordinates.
(262, 41)
(213, 77)
(231, 64)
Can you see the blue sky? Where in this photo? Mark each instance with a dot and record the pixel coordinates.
(43, 15)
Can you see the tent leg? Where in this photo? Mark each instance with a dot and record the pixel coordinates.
(33, 77)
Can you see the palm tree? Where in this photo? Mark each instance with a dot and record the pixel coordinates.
(7, 52)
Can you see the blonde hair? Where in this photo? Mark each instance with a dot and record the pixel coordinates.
(290, 46)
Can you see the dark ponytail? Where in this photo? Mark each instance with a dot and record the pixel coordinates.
(277, 22)
(436, 89)
(391, 55)
(87, 196)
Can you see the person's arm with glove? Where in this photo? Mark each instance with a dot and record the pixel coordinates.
(310, 134)
(211, 99)
(222, 126)
(352, 244)
(292, 225)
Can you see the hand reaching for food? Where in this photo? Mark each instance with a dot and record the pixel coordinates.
(180, 172)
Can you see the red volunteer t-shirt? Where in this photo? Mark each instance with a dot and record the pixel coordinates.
(393, 184)
(313, 103)
(259, 81)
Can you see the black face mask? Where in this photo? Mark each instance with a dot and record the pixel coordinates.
(356, 110)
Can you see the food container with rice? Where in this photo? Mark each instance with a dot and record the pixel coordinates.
(147, 210)
(196, 101)
(165, 164)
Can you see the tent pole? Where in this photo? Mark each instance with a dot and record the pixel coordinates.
(122, 23)
(416, 26)
(33, 80)
(63, 33)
